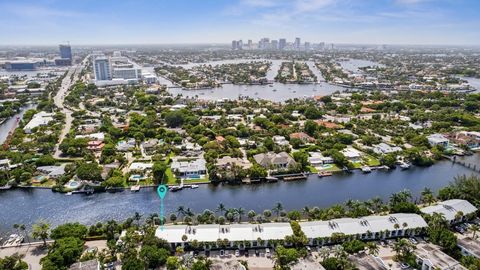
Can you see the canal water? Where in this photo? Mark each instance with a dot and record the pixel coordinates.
(12, 122)
(26, 206)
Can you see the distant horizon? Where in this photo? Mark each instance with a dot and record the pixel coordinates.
(422, 22)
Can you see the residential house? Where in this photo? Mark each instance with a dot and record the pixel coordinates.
(383, 148)
(38, 120)
(189, 168)
(305, 138)
(316, 159)
(431, 257)
(125, 146)
(280, 140)
(227, 162)
(438, 139)
(272, 160)
(352, 154)
(52, 171)
(95, 145)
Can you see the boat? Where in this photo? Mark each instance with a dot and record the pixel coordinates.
(274, 90)
(135, 188)
(294, 91)
(256, 93)
(324, 174)
(69, 193)
(404, 166)
(270, 85)
(271, 179)
(366, 169)
(175, 188)
(194, 186)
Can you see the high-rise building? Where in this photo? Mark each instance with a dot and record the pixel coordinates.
(237, 44)
(282, 44)
(65, 51)
(307, 46)
(234, 44)
(297, 43)
(274, 44)
(102, 68)
(250, 44)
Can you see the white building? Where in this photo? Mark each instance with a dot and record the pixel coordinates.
(102, 69)
(365, 228)
(38, 120)
(383, 148)
(438, 139)
(280, 140)
(451, 209)
(193, 168)
(352, 154)
(431, 257)
(317, 159)
(179, 235)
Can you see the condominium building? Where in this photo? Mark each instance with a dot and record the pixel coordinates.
(102, 69)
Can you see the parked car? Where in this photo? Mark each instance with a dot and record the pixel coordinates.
(413, 240)
(267, 253)
(404, 266)
(222, 253)
(237, 253)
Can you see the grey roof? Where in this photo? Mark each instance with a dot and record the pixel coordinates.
(450, 208)
(272, 158)
(88, 265)
(433, 256)
(353, 226)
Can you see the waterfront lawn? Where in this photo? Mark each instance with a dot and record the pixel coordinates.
(371, 161)
(195, 181)
(357, 164)
(331, 168)
(48, 183)
(171, 179)
(312, 169)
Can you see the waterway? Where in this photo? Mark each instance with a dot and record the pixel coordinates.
(12, 123)
(275, 92)
(26, 206)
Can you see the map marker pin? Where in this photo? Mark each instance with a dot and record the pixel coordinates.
(161, 191)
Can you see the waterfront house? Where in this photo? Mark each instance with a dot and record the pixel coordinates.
(189, 168)
(383, 148)
(316, 159)
(352, 154)
(52, 171)
(140, 167)
(364, 228)
(438, 139)
(471, 139)
(4, 164)
(257, 235)
(454, 210)
(272, 160)
(228, 162)
(38, 120)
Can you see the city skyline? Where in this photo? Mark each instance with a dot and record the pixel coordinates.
(422, 22)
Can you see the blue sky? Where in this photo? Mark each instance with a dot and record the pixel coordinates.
(46, 22)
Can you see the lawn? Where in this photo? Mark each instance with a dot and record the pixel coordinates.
(196, 181)
(171, 179)
(331, 168)
(312, 169)
(371, 161)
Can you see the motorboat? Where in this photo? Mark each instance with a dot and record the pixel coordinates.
(324, 174)
(366, 169)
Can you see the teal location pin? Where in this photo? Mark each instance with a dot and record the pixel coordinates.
(162, 191)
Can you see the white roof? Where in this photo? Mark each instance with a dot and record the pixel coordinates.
(450, 208)
(140, 166)
(353, 226)
(94, 136)
(233, 232)
(39, 119)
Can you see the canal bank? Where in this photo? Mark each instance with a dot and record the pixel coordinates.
(26, 206)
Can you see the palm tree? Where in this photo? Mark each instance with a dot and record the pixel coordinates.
(240, 213)
(189, 212)
(427, 196)
(251, 214)
(306, 211)
(41, 230)
(137, 217)
(277, 208)
(181, 210)
(373, 248)
(16, 226)
(221, 208)
(474, 228)
(24, 230)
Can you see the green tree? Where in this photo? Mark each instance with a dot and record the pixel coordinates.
(41, 230)
(69, 229)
